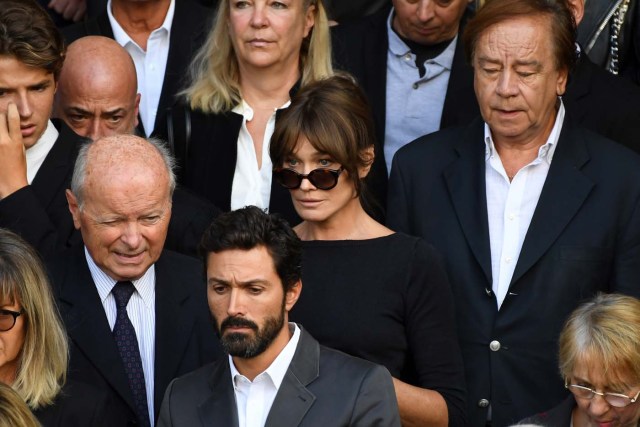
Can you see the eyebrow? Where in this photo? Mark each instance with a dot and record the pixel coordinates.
(214, 280)
(42, 84)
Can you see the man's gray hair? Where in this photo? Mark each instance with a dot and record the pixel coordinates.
(80, 169)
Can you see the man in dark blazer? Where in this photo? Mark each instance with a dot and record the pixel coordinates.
(532, 213)
(253, 280)
(121, 202)
(362, 48)
(189, 29)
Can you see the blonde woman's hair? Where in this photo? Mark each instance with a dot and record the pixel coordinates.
(603, 333)
(215, 78)
(44, 356)
(13, 411)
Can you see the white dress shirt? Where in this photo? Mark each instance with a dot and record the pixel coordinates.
(252, 185)
(141, 310)
(39, 151)
(150, 65)
(254, 398)
(510, 205)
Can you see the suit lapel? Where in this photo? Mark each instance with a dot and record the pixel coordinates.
(88, 327)
(173, 326)
(293, 400)
(564, 192)
(465, 180)
(57, 166)
(221, 405)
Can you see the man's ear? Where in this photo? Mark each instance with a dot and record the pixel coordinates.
(137, 109)
(369, 155)
(73, 208)
(292, 295)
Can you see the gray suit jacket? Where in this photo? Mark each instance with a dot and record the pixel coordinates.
(321, 387)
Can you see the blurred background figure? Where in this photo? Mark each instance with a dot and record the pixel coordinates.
(387, 293)
(411, 66)
(599, 360)
(610, 36)
(34, 351)
(13, 411)
(255, 59)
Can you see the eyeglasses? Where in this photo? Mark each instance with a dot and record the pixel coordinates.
(614, 399)
(8, 319)
(322, 179)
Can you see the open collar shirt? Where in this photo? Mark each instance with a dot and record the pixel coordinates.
(254, 398)
(511, 204)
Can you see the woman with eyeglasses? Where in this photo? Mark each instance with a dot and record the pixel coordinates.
(257, 55)
(599, 359)
(33, 344)
(368, 291)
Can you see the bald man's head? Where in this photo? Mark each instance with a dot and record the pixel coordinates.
(97, 89)
(120, 200)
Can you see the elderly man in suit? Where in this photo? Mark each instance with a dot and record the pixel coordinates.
(134, 312)
(161, 36)
(532, 213)
(410, 63)
(276, 373)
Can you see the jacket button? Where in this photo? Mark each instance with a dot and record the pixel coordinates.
(483, 403)
(494, 345)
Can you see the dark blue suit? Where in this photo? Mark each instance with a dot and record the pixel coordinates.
(584, 238)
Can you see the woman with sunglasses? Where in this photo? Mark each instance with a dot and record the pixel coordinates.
(368, 291)
(33, 344)
(599, 359)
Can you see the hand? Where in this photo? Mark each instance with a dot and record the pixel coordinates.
(13, 160)
(73, 10)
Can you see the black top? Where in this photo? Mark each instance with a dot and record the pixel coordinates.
(386, 300)
(78, 404)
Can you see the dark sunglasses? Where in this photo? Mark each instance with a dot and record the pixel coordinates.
(322, 179)
(8, 319)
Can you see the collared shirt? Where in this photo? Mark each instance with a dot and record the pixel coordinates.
(254, 398)
(252, 186)
(39, 151)
(141, 310)
(510, 205)
(414, 103)
(150, 65)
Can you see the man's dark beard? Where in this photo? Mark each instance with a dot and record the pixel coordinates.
(244, 345)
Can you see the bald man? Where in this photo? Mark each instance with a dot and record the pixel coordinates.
(97, 98)
(120, 200)
(97, 91)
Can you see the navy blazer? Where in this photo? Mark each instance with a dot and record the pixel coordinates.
(185, 338)
(584, 238)
(321, 387)
(365, 57)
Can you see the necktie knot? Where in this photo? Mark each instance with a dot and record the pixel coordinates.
(122, 292)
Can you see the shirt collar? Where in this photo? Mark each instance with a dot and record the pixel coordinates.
(278, 368)
(546, 151)
(123, 38)
(145, 285)
(41, 149)
(400, 48)
(246, 111)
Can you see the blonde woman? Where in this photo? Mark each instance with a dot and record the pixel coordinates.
(33, 344)
(13, 410)
(257, 54)
(599, 360)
